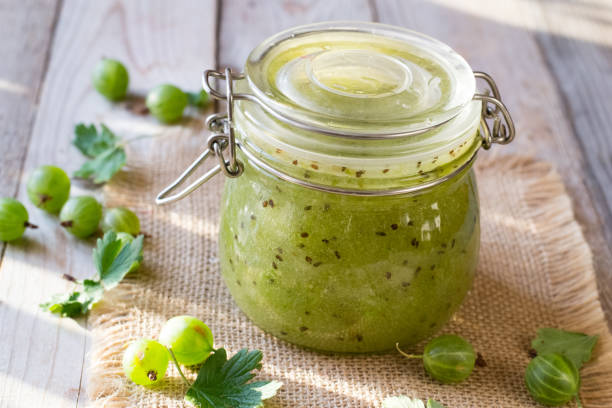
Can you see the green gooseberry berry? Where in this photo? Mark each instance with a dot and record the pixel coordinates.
(48, 188)
(125, 239)
(145, 362)
(167, 103)
(552, 379)
(110, 78)
(121, 219)
(448, 358)
(81, 216)
(13, 219)
(190, 340)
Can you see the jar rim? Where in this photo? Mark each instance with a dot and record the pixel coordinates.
(359, 79)
(357, 167)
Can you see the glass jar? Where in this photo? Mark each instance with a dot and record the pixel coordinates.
(350, 215)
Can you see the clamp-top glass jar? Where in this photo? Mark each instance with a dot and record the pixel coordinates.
(350, 217)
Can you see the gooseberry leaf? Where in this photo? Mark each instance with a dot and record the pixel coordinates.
(107, 155)
(92, 142)
(577, 347)
(104, 166)
(68, 304)
(268, 389)
(113, 262)
(225, 383)
(76, 303)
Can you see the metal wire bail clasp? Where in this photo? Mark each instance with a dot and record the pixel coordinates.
(222, 138)
(493, 109)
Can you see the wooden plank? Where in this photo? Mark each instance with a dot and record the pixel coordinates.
(576, 42)
(496, 37)
(245, 23)
(30, 28)
(26, 33)
(43, 357)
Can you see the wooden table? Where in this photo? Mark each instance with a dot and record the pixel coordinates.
(552, 61)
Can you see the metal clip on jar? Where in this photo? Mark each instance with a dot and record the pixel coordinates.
(350, 218)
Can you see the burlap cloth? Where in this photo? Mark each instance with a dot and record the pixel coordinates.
(535, 270)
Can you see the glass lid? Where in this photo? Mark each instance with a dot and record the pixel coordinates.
(360, 79)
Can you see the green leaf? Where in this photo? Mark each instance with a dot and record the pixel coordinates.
(93, 289)
(225, 383)
(113, 262)
(76, 303)
(268, 389)
(106, 154)
(106, 250)
(104, 166)
(577, 347)
(434, 404)
(198, 99)
(402, 402)
(91, 142)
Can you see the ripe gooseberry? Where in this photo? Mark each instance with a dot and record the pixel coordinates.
(190, 339)
(81, 216)
(448, 358)
(552, 379)
(121, 219)
(145, 362)
(167, 102)
(110, 78)
(13, 219)
(125, 239)
(48, 188)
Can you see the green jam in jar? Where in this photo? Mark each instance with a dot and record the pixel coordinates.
(355, 224)
(344, 273)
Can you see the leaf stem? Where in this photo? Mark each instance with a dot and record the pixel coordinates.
(406, 354)
(178, 367)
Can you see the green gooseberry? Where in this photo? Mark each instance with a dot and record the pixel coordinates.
(190, 340)
(81, 216)
(125, 239)
(48, 188)
(145, 362)
(552, 379)
(121, 219)
(448, 358)
(13, 219)
(167, 103)
(110, 78)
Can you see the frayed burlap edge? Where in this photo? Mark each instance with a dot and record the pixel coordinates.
(571, 278)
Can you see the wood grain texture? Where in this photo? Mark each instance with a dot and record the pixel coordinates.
(497, 38)
(576, 42)
(43, 359)
(246, 23)
(26, 33)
